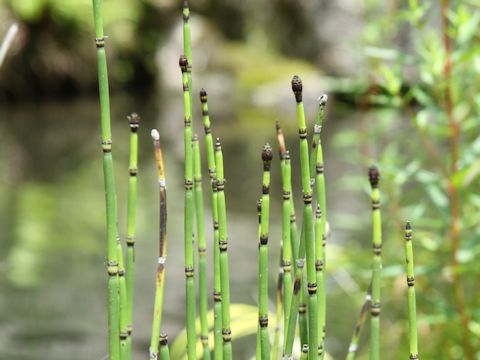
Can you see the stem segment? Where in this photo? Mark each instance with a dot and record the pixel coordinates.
(412, 306)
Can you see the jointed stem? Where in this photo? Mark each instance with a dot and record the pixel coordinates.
(109, 180)
(202, 249)
(163, 345)
(162, 254)
(352, 349)
(188, 215)
(134, 121)
(223, 246)
(212, 172)
(374, 177)
(412, 306)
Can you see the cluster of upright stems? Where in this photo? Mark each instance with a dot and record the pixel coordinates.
(301, 297)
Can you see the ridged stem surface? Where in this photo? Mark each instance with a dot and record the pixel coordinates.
(412, 304)
(354, 342)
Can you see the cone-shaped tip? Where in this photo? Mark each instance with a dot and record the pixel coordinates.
(155, 135)
(277, 126)
(297, 87)
(408, 226)
(195, 137)
(183, 63)
(203, 95)
(218, 145)
(267, 154)
(373, 176)
(322, 100)
(134, 120)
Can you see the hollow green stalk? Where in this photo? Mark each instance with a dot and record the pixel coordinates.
(223, 246)
(353, 348)
(374, 177)
(202, 248)
(263, 255)
(162, 248)
(134, 122)
(279, 310)
(307, 223)
(187, 46)
(123, 334)
(188, 215)
(258, 348)
(317, 173)
(292, 323)
(412, 306)
(212, 173)
(163, 345)
(286, 235)
(109, 183)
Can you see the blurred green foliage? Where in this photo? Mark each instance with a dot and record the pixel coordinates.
(423, 69)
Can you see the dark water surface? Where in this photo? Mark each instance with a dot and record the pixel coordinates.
(52, 247)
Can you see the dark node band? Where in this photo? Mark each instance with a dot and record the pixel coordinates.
(203, 95)
(302, 309)
(318, 212)
(302, 133)
(305, 348)
(263, 321)
(286, 195)
(217, 296)
(130, 241)
(163, 339)
(312, 288)
(218, 145)
(375, 309)
(134, 121)
(307, 198)
(186, 17)
(410, 280)
(320, 350)
(266, 166)
(319, 265)
(189, 271)
(215, 225)
(202, 250)
(121, 272)
(187, 121)
(226, 335)
(188, 184)
(320, 169)
(220, 185)
(107, 146)
(413, 357)
(204, 113)
(375, 204)
(100, 42)
(132, 171)
(377, 249)
(293, 218)
(123, 335)
(263, 239)
(129, 330)
(204, 339)
(408, 235)
(287, 266)
(112, 270)
(183, 63)
(223, 245)
(265, 189)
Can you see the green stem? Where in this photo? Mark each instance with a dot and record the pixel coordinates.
(263, 255)
(162, 255)
(123, 335)
(280, 309)
(374, 177)
(212, 172)
(202, 248)
(109, 182)
(258, 348)
(307, 223)
(223, 245)
(187, 46)
(134, 121)
(163, 344)
(412, 306)
(188, 215)
(304, 353)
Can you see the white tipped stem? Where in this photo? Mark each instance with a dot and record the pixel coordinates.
(155, 134)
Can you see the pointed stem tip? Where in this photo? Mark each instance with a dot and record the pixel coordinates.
(408, 226)
(322, 100)
(218, 145)
(267, 154)
(183, 63)
(373, 176)
(134, 120)
(155, 134)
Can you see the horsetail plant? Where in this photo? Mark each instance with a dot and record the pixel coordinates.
(162, 252)
(412, 306)
(202, 248)
(353, 348)
(123, 332)
(374, 177)
(134, 122)
(109, 181)
(292, 322)
(188, 213)
(317, 173)
(263, 255)
(307, 227)
(258, 348)
(212, 173)
(279, 309)
(187, 46)
(223, 246)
